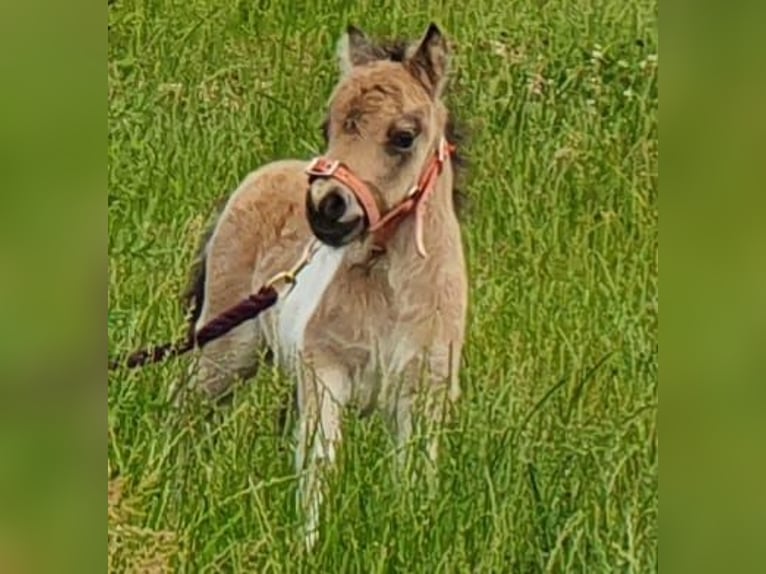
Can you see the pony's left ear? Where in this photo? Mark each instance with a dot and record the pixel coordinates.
(354, 49)
(429, 61)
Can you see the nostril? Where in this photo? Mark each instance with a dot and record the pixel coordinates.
(332, 206)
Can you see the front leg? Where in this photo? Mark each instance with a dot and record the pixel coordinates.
(322, 394)
(422, 397)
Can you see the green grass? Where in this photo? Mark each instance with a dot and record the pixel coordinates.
(551, 464)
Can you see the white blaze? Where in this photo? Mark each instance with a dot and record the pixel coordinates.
(297, 308)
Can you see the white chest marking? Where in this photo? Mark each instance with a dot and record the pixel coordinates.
(297, 308)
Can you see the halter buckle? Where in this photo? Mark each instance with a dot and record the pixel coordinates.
(322, 167)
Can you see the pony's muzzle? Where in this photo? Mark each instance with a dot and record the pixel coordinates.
(334, 215)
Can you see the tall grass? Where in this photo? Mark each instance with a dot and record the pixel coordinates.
(551, 463)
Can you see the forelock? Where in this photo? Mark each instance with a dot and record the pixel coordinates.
(381, 90)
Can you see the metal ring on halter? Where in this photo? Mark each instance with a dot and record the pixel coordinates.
(291, 274)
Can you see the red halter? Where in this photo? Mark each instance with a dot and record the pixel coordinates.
(382, 226)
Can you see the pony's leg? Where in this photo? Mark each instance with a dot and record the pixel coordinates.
(413, 411)
(400, 423)
(423, 400)
(437, 412)
(321, 398)
(222, 361)
(443, 392)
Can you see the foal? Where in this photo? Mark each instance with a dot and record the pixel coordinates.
(379, 313)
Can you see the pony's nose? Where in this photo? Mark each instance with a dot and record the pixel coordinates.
(333, 214)
(333, 205)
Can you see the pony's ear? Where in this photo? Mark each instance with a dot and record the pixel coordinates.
(429, 60)
(354, 49)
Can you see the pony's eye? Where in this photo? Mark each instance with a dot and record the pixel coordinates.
(402, 140)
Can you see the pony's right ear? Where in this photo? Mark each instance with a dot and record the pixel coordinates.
(429, 60)
(354, 49)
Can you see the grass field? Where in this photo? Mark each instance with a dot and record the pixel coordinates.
(552, 464)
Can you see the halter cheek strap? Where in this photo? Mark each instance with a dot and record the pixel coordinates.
(383, 226)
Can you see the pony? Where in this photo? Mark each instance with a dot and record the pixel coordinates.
(377, 318)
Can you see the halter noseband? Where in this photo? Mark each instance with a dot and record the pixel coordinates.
(383, 225)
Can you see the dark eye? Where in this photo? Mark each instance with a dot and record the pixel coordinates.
(402, 140)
